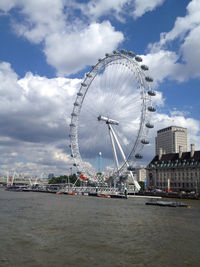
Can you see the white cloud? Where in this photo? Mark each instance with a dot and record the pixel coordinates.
(143, 6)
(71, 43)
(118, 8)
(76, 50)
(41, 18)
(103, 7)
(34, 112)
(162, 64)
(34, 131)
(191, 55)
(184, 63)
(68, 46)
(184, 24)
(35, 159)
(14, 154)
(7, 5)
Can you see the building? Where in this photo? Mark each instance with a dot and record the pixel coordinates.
(141, 174)
(175, 171)
(51, 175)
(170, 138)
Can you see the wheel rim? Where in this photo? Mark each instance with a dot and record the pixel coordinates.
(110, 89)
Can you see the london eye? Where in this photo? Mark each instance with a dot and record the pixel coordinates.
(112, 114)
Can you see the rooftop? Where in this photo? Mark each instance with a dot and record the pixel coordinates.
(173, 160)
(170, 128)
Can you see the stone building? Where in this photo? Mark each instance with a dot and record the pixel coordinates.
(175, 171)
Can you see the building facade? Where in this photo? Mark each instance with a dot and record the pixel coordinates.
(141, 174)
(175, 171)
(170, 139)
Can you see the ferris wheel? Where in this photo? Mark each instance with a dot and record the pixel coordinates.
(112, 115)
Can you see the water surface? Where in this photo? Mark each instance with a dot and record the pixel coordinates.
(38, 229)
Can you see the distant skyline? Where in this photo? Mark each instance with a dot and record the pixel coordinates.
(48, 45)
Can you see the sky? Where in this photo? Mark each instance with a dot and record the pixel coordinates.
(47, 47)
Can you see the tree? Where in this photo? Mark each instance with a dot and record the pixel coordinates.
(64, 179)
(142, 184)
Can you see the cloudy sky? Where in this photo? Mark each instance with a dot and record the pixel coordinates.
(48, 45)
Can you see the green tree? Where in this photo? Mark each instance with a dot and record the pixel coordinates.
(142, 184)
(65, 179)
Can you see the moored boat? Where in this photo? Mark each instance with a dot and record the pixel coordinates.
(166, 203)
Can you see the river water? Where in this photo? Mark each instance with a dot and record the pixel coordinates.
(38, 229)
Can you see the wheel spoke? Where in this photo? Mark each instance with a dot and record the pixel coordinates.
(115, 92)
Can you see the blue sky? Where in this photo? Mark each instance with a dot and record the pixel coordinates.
(47, 46)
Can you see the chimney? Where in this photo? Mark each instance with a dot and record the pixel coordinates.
(160, 153)
(180, 152)
(192, 150)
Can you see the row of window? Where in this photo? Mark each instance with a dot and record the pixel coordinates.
(178, 185)
(181, 170)
(178, 178)
(180, 175)
(175, 165)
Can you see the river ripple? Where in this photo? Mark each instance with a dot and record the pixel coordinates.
(58, 230)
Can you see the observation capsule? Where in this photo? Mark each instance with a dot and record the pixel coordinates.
(89, 75)
(107, 55)
(138, 156)
(144, 67)
(149, 79)
(151, 93)
(144, 142)
(151, 108)
(79, 94)
(73, 114)
(76, 104)
(138, 59)
(115, 52)
(131, 54)
(71, 135)
(149, 125)
(123, 51)
(75, 165)
(84, 84)
(99, 59)
(72, 125)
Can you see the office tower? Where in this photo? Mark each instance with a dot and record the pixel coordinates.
(170, 139)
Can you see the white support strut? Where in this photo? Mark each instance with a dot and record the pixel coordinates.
(113, 138)
(113, 146)
(119, 146)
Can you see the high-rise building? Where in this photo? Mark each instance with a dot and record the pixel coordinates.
(170, 139)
